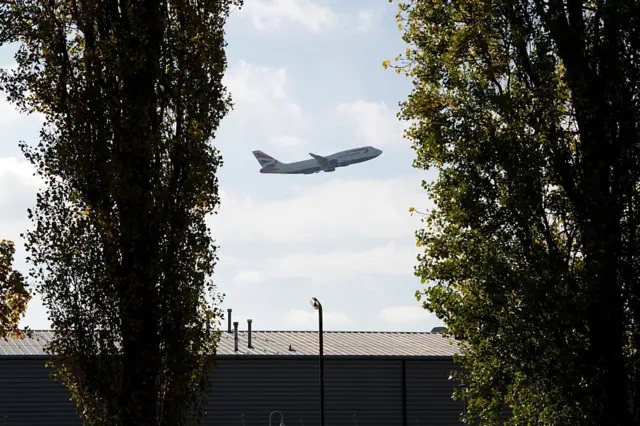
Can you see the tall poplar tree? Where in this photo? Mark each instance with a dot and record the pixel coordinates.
(132, 95)
(529, 110)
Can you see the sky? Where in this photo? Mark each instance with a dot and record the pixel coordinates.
(305, 76)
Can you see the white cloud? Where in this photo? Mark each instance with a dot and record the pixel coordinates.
(248, 277)
(17, 126)
(305, 319)
(366, 20)
(341, 264)
(237, 316)
(338, 209)
(18, 188)
(286, 142)
(279, 16)
(260, 96)
(409, 314)
(36, 317)
(9, 114)
(373, 122)
(18, 171)
(270, 15)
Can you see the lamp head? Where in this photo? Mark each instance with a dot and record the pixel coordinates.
(315, 303)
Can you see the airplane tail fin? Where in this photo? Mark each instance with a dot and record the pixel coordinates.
(264, 159)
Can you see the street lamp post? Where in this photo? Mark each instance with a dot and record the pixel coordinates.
(318, 306)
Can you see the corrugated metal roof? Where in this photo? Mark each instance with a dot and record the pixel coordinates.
(28, 346)
(346, 343)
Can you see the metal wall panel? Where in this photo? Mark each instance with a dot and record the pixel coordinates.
(30, 397)
(429, 394)
(256, 387)
(429, 391)
(370, 388)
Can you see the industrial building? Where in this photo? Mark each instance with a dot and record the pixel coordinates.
(370, 379)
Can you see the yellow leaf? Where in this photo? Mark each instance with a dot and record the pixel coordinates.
(411, 209)
(385, 64)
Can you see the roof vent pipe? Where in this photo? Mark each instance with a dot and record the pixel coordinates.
(235, 336)
(249, 321)
(229, 321)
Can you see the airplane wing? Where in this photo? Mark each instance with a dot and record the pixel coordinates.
(320, 159)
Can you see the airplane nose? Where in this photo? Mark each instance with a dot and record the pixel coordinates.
(378, 152)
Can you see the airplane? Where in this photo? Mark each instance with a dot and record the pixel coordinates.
(318, 163)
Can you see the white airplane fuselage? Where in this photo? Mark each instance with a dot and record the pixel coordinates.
(318, 163)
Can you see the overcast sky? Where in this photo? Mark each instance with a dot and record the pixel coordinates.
(305, 76)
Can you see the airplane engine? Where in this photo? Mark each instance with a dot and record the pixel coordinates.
(331, 166)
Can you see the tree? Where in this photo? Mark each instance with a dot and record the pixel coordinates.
(132, 95)
(14, 294)
(529, 111)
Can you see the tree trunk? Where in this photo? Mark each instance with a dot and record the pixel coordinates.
(144, 29)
